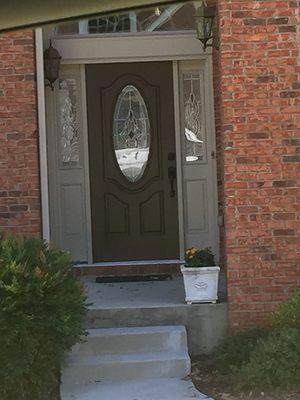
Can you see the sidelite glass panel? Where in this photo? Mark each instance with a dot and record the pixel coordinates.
(194, 129)
(131, 132)
(68, 126)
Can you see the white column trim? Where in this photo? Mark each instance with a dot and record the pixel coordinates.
(86, 164)
(178, 159)
(42, 135)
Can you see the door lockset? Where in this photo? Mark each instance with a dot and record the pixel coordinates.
(172, 178)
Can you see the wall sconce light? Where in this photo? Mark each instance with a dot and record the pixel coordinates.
(51, 65)
(204, 23)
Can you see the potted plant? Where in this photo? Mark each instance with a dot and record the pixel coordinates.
(200, 276)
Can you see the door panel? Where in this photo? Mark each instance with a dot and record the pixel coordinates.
(198, 149)
(196, 194)
(131, 137)
(152, 214)
(116, 215)
(67, 165)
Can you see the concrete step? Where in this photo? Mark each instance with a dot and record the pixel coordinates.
(132, 340)
(149, 389)
(208, 319)
(82, 370)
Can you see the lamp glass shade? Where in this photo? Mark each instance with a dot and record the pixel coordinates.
(51, 64)
(204, 23)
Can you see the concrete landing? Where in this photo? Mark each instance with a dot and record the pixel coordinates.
(138, 304)
(148, 389)
(134, 294)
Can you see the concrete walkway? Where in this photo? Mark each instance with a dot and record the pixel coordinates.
(148, 389)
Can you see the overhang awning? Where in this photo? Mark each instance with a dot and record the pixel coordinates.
(16, 14)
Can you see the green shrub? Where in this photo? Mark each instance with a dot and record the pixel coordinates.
(234, 350)
(258, 359)
(42, 308)
(288, 313)
(274, 363)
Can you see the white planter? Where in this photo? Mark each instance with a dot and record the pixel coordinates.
(201, 284)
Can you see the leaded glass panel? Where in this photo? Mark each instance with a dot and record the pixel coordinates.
(131, 133)
(193, 118)
(68, 123)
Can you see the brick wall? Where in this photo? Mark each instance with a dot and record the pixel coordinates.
(19, 171)
(258, 73)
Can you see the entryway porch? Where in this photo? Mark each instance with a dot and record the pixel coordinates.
(141, 336)
(156, 303)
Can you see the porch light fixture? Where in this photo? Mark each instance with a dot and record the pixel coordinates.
(51, 65)
(204, 23)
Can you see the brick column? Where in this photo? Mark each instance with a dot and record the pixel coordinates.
(259, 142)
(19, 168)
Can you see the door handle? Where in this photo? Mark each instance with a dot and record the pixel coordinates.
(172, 177)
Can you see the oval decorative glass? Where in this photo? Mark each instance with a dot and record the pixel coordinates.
(131, 133)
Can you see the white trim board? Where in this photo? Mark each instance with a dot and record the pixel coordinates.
(42, 135)
(91, 50)
(177, 125)
(86, 162)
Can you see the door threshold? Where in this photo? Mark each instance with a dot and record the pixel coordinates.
(129, 263)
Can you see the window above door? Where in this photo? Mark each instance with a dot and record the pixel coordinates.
(174, 17)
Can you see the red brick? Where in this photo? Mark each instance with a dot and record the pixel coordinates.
(19, 171)
(256, 81)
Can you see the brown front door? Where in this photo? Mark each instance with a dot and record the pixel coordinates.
(132, 161)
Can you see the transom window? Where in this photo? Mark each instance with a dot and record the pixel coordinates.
(175, 17)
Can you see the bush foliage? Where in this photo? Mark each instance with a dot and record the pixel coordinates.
(288, 313)
(42, 308)
(257, 359)
(235, 349)
(274, 362)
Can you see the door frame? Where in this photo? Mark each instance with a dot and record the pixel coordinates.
(83, 49)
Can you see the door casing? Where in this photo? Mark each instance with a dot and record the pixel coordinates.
(181, 50)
